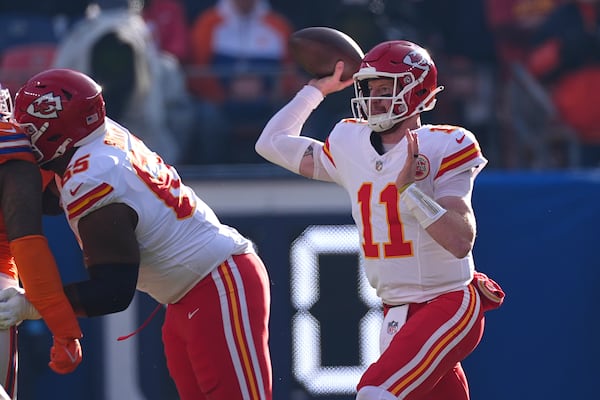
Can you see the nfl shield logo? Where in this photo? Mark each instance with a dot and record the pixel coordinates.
(392, 327)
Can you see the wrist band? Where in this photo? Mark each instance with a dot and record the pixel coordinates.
(424, 208)
(403, 188)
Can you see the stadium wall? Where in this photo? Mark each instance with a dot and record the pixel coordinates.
(537, 236)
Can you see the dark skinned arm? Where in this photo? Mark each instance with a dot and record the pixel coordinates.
(51, 200)
(112, 256)
(21, 202)
(21, 198)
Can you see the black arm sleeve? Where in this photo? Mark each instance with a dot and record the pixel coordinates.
(110, 289)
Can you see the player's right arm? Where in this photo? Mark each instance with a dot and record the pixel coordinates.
(112, 257)
(280, 141)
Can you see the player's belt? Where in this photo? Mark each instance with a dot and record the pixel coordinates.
(388, 306)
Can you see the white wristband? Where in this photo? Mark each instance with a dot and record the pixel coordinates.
(424, 208)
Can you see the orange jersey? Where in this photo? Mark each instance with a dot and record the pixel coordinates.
(14, 145)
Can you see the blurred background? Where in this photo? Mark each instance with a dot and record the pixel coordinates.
(197, 81)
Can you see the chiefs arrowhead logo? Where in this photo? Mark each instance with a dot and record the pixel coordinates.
(46, 106)
(417, 59)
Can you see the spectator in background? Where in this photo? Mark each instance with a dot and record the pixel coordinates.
(31, 30)
(459, 37)
(47, 7)
(144, 87)
(239, 62)
(303, 14)
(168, 23)
(193, 8)
(566, 59)
(513, 23)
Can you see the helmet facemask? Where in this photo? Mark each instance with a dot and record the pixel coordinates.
(404, 85)
(34, 134)
(5, 104)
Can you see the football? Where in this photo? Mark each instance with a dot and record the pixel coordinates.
(317, 49)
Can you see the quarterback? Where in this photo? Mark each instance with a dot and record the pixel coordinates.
(410, 189)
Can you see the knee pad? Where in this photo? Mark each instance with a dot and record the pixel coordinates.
(374, 393)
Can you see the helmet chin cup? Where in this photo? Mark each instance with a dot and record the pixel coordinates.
(381, 122)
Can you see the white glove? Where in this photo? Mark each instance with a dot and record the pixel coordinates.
(14, 307)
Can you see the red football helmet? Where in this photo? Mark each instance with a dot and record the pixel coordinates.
(415, 83)
(58, 108)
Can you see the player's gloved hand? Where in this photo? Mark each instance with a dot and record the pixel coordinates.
(14, 307)
(65, 355)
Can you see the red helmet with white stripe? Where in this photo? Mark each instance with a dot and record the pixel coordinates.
(59, 108)
(415, 83)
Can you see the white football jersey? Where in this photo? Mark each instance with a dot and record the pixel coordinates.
(181, 239)
(403, 263)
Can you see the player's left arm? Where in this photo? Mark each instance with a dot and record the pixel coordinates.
(449, 218)
(21, 203)
(455, 230)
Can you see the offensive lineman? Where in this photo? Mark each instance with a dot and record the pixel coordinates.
(410, 188)
(24, 254)
(139, 225)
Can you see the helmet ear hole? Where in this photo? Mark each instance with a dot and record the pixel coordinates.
(54, 138)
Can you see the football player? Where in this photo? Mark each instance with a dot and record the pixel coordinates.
(140, 226)
(410, 187)
(24, 254)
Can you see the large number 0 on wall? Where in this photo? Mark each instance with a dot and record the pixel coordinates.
(307, 347)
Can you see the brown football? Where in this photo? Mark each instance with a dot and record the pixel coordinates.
(317, 49)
